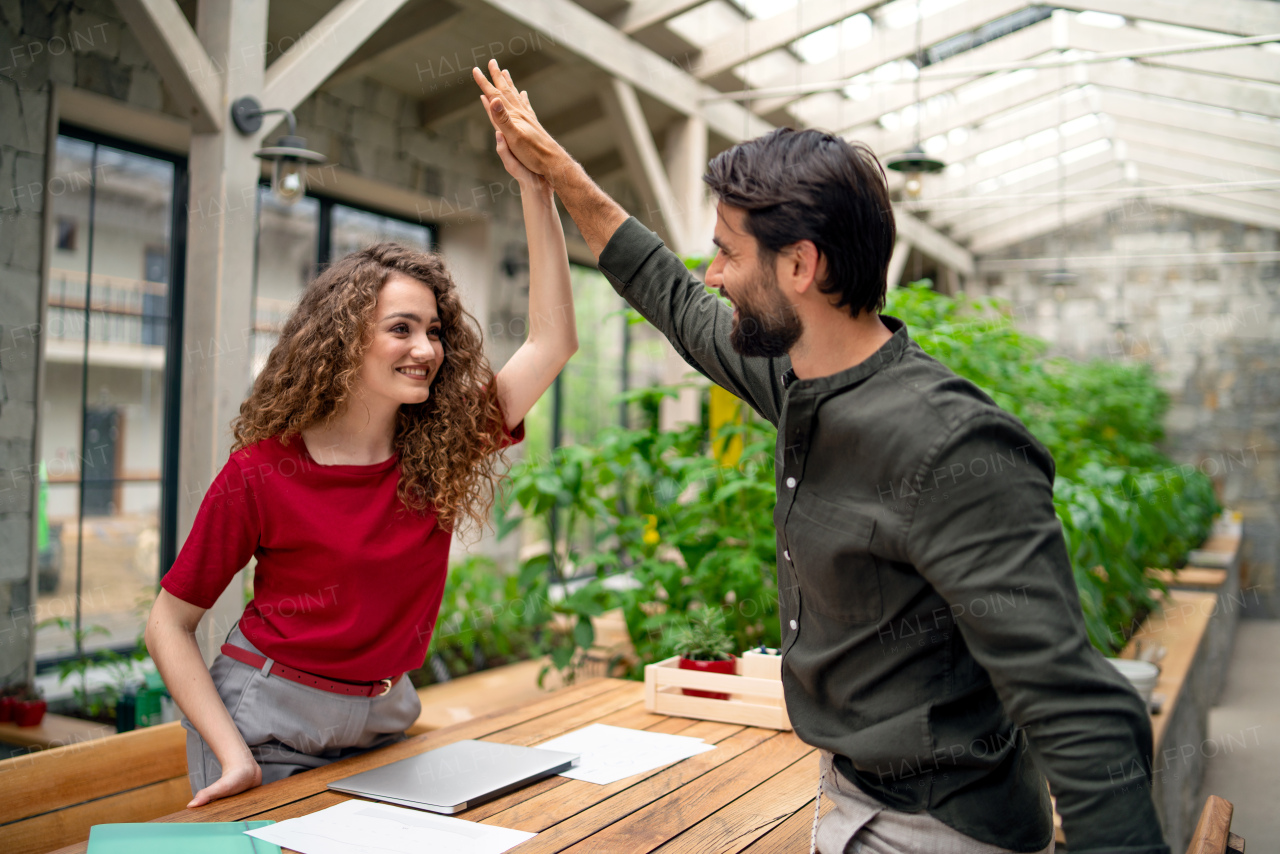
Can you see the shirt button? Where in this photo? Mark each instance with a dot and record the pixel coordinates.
(787, 554)
(791, 483)
(793, 625)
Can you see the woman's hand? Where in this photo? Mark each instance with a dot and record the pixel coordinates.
(530, 182)
(236, 778)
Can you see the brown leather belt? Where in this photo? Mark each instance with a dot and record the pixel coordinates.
(351, 689)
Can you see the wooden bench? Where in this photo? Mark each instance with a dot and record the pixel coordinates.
(53, 731)
(51, 798)
(1191, 577)
(1213, 832)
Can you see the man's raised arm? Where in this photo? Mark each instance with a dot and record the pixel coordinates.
(596, 214)
(644, 272)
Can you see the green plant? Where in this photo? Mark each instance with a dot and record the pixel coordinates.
(654, 505)
(703, 637)
(102, 702)
(483, 620)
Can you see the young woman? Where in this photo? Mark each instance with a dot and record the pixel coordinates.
(368, 436)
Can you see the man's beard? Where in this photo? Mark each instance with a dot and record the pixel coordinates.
(767, 330)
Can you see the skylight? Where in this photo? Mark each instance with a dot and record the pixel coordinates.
(852, 32)
(703, 24)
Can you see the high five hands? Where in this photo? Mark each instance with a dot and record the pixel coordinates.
(517, 125)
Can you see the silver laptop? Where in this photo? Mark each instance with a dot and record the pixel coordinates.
(457, 776)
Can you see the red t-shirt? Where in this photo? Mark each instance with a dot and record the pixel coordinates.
(348, 582)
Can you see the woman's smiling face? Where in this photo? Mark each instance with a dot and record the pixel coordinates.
(407, 347)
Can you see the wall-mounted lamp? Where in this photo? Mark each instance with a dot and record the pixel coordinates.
(289, 156)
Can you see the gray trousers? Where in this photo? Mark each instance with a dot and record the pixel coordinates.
(859, 824)
(290, 727)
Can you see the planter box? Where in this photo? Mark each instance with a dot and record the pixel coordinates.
(1195, 626)
(753, 700)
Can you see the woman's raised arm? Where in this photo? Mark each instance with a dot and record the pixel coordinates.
(553, 334)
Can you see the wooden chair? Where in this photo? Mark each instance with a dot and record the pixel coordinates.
(50, 798)
(1213, 831)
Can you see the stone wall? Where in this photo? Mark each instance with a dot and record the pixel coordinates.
(25, 69)
(1199, 299)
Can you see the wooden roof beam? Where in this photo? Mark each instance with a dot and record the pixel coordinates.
(644, 164)
(643, 14)
(762, 35)
(890, 45)
(1235, 17)
(932, 242)
(292, 78)
(577, 31)
(171, 44)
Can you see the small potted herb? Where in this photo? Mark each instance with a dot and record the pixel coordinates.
(30, 708)
(703, 643)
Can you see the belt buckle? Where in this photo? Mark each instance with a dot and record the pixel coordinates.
(386, 689)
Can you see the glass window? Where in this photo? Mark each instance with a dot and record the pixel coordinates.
(104, 406)
(585, 390)
(354, 229)
(288, 241)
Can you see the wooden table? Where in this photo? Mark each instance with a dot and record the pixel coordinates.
(753, 793)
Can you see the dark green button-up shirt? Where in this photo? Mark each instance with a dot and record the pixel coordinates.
(932, 636)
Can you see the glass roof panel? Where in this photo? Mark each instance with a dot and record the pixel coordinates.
(850, 33)
(775, 65)
(766, 8)
(902, 13)
(704, 24)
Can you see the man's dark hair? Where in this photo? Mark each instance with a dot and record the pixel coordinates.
(811, 185)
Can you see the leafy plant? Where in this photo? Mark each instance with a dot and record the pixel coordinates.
(102, 702)
(654, 505)
(703, 637)
(485, 620)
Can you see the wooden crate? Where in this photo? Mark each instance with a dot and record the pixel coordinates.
(752, 701)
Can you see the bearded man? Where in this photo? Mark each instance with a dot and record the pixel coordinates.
(933, 645)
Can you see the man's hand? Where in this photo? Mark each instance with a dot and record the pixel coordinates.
(511, 114)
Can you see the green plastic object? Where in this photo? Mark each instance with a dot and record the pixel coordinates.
(147, 703)
(42, 511)
(214, 837)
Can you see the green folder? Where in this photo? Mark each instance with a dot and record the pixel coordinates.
(212, 837)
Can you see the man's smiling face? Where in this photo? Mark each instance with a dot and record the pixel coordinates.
(764, 322)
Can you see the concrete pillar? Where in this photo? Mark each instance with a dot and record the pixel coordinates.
(218, 321)
(685, 160)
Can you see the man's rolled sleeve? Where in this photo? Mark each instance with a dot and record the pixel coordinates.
(991, 544)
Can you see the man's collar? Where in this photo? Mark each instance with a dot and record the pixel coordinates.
(888, 352)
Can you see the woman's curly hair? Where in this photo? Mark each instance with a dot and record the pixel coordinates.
(446, 444)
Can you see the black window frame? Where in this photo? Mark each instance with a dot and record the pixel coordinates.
(171, 426)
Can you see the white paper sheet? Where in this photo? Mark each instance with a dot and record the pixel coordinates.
(611, 753)
(361, 826)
